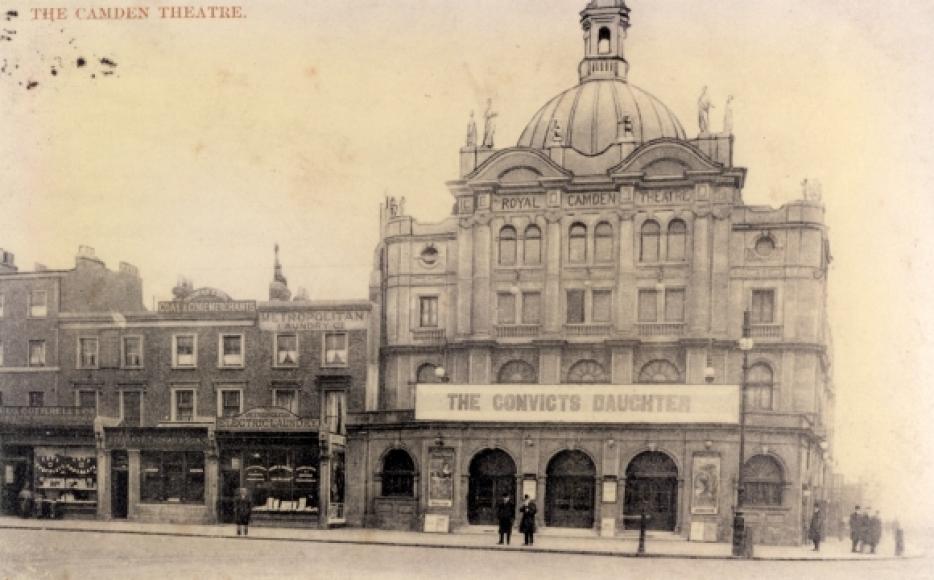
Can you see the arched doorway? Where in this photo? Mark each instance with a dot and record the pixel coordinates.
(569, 490)
(652, 484)
(492, 473)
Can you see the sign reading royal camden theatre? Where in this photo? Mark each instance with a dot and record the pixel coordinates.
(578, 403)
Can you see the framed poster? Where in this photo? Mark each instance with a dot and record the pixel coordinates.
(441, 478)
(529, 488)
(705, 485)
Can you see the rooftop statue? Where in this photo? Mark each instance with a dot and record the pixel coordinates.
(489, 125)
(728, 116)
(471, 132)
(703, 112)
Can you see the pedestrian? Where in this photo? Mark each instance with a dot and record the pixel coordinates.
(864, 532)
(899, 538)
(875, 531)
(506, 514)
(856, 520)
(527, 523)
(242, 510)
(816, 529)
(25, 501)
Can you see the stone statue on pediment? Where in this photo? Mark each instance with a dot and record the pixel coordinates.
(703, 111)
(489, 124)
(471, 132)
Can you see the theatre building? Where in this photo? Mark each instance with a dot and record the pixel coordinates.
(185, 405)
(571, 332)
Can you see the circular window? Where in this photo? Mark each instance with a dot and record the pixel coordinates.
(429, 255)
(765, 246)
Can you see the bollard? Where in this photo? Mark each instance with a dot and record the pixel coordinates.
(641, 549)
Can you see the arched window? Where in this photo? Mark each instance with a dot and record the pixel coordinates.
(677, 240)
(764, 481)
(507, 246)
(533, 245)
(426, 374)
(759, 387)
(603, 41)
(603, 242)
(659, 371)
(577, 244)
(587, 371)
(648, 248)
(398, 477)
(517, 372)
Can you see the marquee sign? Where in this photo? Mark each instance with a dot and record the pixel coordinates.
(578, 403)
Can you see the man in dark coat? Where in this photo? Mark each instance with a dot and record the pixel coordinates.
(864, 531)
(875, 531)
(856, 522)
(506, 514)
(527, 523)
(816, 529)
(242, 510)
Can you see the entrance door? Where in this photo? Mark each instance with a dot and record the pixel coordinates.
(119, 485)
(492, 473)
(230, 489)
(652, 485)
(569, 490)
(16, 476)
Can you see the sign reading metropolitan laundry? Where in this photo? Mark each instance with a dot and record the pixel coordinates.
(313, 320)
(578, 403)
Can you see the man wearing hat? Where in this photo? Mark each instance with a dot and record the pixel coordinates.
(856, 524)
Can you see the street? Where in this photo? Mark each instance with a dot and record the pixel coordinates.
(70, 555)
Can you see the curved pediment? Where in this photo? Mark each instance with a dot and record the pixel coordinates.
(517, 166)
(665, 158)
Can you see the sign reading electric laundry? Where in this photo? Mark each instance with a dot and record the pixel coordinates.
(578, 403)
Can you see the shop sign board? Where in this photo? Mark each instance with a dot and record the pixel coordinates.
(208, 307)
(313, 320)
(267, 419)
(566, 403)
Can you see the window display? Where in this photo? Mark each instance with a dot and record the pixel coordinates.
(67, 476)
(172, 476)
(280, 480)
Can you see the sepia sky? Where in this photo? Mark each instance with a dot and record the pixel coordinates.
(213, 139)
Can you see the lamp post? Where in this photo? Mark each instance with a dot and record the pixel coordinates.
(739, 523)
(441, 375)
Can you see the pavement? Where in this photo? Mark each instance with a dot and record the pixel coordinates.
(550, 541)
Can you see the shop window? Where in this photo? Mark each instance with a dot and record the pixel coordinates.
(282, 480)
(677, 240)
(532, 249)
(38, 304)
(659, 372)
(426, 374)
(763, 480)
(335, 349)
(506, 308)
(86, 399)
(131, 408)
(231, 350)
(286, 399)
(183, 406)
(575, 300)
(88, 350)
(132, 350)
(37, 353)
(517, 372)
(507, 246)
(335, 408)
(577, 244)
(286, 350)
(36, 399)
(67, 475)
(674, 305)
(531, 308)
(601, 305)
(229, 402)
(759, 384)
(587, 371)
(763, 307)
(428, 311)
(648, 247)
(185, 351)
(172, 476)
(648, 305)
(603, 242)
(603, 41)
(398, 477)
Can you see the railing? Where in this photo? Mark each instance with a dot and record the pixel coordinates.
(587, 329)
(766, 331)
(518, 331)
(51, 416)
(661, 329)
(428, 335)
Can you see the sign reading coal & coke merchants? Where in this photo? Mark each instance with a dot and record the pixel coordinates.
(207, 307)
(286, 321)
(578, 403)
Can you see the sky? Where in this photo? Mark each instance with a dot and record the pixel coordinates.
(199, 144)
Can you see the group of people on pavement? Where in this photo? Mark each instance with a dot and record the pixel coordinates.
(506, 515)
(865, 530)
(36, 505)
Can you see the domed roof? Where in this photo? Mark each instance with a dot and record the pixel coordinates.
(598, 113)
